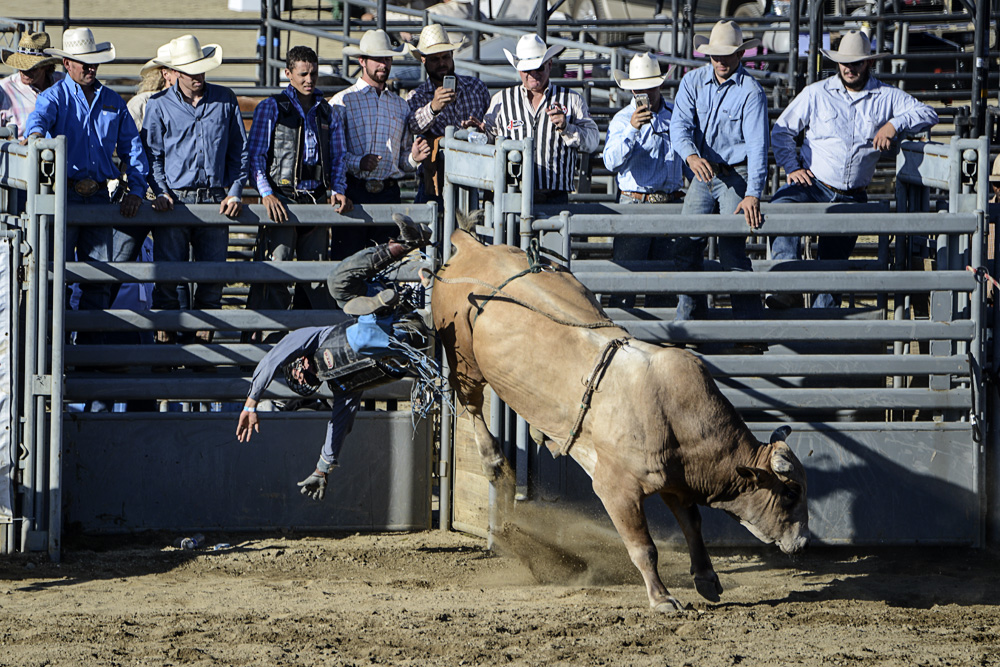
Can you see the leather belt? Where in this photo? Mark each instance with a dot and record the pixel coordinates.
(854, 193)
(376, 185)
(654, 197)
(721, 168)
(86, 187)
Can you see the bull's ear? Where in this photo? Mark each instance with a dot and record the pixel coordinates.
(752, 475)
(780, 434)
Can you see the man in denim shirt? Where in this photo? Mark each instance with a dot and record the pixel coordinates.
(848, 121)
(96, 124)
(648, 169)
(197, 147)
(720, 129)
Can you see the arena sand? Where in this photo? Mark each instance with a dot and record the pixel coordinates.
(437, 598)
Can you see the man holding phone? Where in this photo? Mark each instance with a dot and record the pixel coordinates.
(443, 99)
(647, 168)
(557, 118)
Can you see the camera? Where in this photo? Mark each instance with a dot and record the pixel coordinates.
(449, 82)
(641, 100)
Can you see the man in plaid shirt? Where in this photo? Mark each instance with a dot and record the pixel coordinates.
(435, 107)
(36, 72)
(296, 153)
(380, 146)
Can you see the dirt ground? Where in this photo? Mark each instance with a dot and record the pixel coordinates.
(442, 599)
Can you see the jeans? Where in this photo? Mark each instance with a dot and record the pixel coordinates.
(637, 249)
(830, 247)
(87, 243)
(349, 239)
(176, 244)
(283, 243)
(721, 195)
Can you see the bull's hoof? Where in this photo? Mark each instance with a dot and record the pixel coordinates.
(671, 606)
(709, 587)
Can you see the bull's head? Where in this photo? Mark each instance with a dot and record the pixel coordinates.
(773, 507)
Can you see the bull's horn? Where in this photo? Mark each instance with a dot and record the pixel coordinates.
(781, 434)
(781, 463)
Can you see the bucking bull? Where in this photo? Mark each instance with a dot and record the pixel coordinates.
(639, 418)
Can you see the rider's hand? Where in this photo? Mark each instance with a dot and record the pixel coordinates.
(314, 485)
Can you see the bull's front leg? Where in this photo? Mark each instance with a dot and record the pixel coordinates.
(624, 505)
(706, 581)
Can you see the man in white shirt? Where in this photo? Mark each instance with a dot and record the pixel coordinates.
(380, 147)
(36, 72)
(849, 120)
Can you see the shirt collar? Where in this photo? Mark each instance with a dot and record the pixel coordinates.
(871, 88)
(736, 79)
(293, 95)
(77, 90)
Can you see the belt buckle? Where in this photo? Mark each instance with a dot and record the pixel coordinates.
(86, 187)
(374, 186)
(658, 198)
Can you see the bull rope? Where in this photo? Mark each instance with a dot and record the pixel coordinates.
(600, 367)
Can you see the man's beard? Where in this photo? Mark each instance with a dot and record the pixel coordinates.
(862, 82)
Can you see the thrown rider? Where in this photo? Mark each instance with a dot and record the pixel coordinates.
(381, 342)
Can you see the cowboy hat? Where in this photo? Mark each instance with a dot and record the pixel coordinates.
(853, 47)
(433, 39)
(30, 52)
(375, 44)
(995, 174)
(643, 74)
(79, 45)
(187, 55)
(162, 53)
(531, 53)
(725, 40)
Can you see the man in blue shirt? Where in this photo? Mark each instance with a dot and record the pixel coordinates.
(648, 169)
(847, 122)
(96, 123)
(197, 148)
(720, 129)
(297, 152)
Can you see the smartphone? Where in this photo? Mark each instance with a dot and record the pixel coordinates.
(641, 100)
(449, 82)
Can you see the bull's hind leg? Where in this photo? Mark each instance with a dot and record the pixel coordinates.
(689, 518)
(624, 506)
(495, 466)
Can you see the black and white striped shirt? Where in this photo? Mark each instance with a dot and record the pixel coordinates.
(511, 116)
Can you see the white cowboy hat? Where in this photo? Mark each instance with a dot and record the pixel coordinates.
(643, 74)
(79, 45)
(162, 53)
(725, 40)
(187, 55)
(375, 44)
(995, 174)
(433, 39)
(30, 52)
(853, 47)
(531, 53)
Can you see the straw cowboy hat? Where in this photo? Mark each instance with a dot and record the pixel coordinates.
(79, 45)
(30, 52)
(531, 53)
(643, 74)
(853, 47)
(375, 44)
(187, 55)
(725, 40)
(162, 53)
(433, 39)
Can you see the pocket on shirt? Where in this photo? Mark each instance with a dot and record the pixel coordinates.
(731, 126)
(826, 124)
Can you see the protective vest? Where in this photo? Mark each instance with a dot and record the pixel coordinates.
(287, 147)
(344, 370)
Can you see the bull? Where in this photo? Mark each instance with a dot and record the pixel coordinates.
(641, 419)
